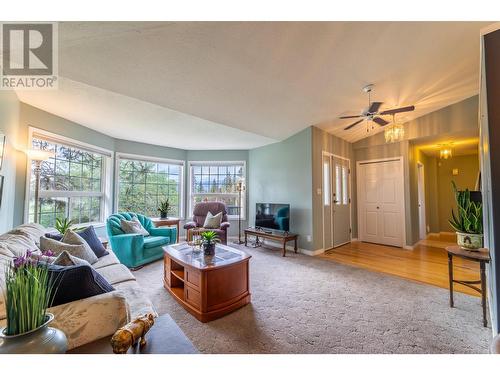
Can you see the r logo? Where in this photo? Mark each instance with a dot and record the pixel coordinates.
(27, 49)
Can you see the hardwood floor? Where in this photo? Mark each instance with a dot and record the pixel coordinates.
(424, 264)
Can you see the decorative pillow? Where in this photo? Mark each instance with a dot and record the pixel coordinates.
(213, 222)
(76, 282)
(133, 226)
(90, 236)
(54, 236)
(66, 259)
(74, 238)
(57, 247)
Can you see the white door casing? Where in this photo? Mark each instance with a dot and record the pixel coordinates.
(421, 201)
(381, 217)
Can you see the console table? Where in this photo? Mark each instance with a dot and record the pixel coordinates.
(208, 287)
(282, 237)
(167, 222)
(482, 256)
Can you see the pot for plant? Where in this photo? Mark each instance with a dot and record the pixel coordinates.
(470, 241)
(41, 340)
(163, 215)
(208, 249)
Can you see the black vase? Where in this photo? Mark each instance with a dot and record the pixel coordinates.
(208, 249)
(163, 215)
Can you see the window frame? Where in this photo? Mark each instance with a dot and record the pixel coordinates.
(107, 173)
(190, 207)
(127, 156)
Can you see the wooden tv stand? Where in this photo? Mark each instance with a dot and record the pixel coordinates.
(279, 236)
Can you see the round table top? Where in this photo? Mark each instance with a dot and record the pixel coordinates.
(479, 255)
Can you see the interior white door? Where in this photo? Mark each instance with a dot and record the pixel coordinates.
(381, 202)
(421, 202)
(342, 202)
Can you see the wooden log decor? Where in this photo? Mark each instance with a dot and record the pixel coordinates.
(132, 334)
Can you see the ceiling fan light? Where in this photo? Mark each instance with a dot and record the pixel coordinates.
(394, 133)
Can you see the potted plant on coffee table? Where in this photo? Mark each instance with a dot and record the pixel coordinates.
(164, 208)
(468, 222)
(29, 289)
(209, 239)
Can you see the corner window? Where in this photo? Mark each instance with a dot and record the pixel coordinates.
(73, 183)
(218, 182)
(144, 182)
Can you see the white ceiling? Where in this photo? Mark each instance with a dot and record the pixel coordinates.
(211, 85)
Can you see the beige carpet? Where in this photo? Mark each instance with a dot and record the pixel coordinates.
(303, 304)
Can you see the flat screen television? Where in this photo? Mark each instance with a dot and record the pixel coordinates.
(274, 216)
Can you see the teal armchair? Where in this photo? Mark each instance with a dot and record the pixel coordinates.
(135, 250)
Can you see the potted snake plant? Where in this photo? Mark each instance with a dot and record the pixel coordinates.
(164, 208)
(468, 222)
(209, 239)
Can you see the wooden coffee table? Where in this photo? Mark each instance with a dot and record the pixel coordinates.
(207, 287)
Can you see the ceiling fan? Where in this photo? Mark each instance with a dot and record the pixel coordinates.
(371, 113)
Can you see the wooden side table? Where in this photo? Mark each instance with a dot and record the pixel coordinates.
(168, 222)
(482, 256)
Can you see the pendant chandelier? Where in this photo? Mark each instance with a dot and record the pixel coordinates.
(445, 152)
(394, 132)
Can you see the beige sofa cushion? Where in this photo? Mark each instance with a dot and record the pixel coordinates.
(106, 260)
(116, 273)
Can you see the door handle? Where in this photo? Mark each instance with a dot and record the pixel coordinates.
(378, 207)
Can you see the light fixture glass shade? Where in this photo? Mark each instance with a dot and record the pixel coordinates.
(39, 155)
(445, 153)
(394, 133)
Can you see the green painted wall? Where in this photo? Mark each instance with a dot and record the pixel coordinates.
(9, 119)
(282, 173)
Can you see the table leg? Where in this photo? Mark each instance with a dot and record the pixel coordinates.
(245, 238)
(178, 232)
(295, 246)
(284, 248)
(483, 292)
(450, 276)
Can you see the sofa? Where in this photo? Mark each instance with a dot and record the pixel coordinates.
(201, 211)
(88, 319)
(133, 249)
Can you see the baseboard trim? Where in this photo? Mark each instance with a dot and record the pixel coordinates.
(354, 240)
(410, 247)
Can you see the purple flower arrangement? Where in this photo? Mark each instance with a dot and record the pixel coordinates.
(28, 292)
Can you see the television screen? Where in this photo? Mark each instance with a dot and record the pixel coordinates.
(272, 216)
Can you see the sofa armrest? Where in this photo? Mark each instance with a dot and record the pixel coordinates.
(190, 225)
(92, 318)
(127, 247)
(225, 225)
(164, 232)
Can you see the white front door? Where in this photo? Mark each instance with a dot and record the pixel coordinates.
(336, 201)
(342, 202)
(381, 202)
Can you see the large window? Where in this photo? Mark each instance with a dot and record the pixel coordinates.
(217, 182)
(72, 182)
(143, 184)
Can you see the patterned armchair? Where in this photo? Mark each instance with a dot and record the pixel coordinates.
(200, 212)
(134, 249)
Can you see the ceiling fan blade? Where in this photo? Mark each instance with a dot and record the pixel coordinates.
(342, 117)
(374, 107)
(380, 121)
(398, 110)
(354, 124)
